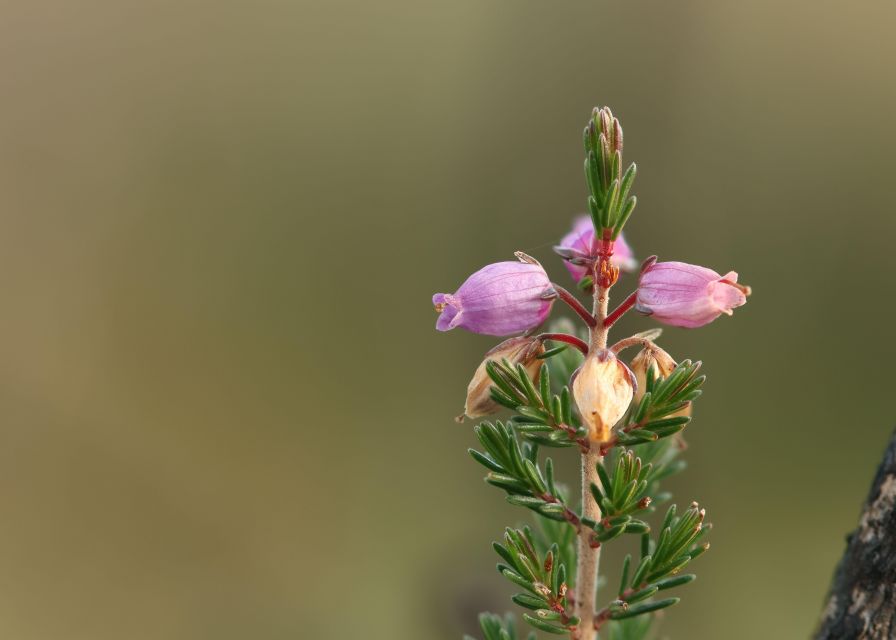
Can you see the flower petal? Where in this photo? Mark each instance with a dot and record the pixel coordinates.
(687, 295)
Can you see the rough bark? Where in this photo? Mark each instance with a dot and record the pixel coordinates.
(861, 604)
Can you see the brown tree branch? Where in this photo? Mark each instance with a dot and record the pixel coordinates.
(861, 604)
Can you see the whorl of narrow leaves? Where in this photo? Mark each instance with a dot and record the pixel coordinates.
(543, 577)
(659, 565)
(548, 533)
(653, 417)
(663, 456)
(610, 204)
(629, 485)
(623, 493)
(678, 543)
(515, 469)
(545, 418)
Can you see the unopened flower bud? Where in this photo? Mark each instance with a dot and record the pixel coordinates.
(522, 350)
(500, 299)
(603, 388)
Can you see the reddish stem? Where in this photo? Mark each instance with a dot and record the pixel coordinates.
(605, 245)
(579, 344)
(601, 618)
(619, 311)
(577, 306)
(632, 341)
(604, 614)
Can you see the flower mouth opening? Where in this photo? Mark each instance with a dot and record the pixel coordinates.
(744, 289)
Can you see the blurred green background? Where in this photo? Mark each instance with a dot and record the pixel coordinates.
(225, 410)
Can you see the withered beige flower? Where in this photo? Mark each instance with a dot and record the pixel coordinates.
(522, 350)
(662, 364)
(603, 388)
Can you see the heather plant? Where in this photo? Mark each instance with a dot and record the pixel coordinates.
(568, 387)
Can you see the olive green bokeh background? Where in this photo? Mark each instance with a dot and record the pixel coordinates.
(225, 410)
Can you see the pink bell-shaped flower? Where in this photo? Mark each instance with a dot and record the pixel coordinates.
(687, 295)
(500, 299)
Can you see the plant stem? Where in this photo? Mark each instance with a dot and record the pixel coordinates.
(588, 556)
(581, 345)
(577, 306)
(625, 343)
(619, 311)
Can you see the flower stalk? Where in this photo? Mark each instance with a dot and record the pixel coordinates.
(575, 305)
(631, 341)
(578, 343)
(620, 311)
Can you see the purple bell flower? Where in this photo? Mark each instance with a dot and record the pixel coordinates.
(500, 299)
(687, 295)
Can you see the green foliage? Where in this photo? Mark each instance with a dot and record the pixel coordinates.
(659, 566)
(548, 418)
(621, 494)
(494, 628)
(540, 561)
(550, 533)
(610, 204)
(653, 418)
(542, 576)
(515, 469)
(544, 417)
(678, 544)
(664, 458)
